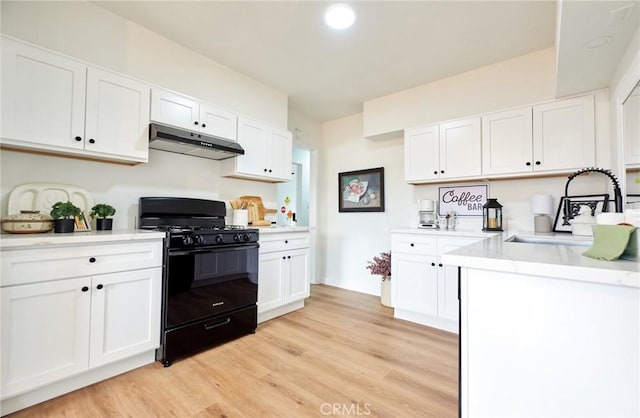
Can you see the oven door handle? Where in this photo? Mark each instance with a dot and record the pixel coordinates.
(211, 326)
(212, 249)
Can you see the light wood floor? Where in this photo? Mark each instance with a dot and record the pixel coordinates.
(343, 355)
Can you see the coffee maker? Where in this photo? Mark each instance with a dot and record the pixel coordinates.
(427, 214)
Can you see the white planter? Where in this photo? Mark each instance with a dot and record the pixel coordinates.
(385, 292)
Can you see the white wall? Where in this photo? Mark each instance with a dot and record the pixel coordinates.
(514, 82)
(89, 33)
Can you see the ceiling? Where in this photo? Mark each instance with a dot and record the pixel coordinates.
(393, 45)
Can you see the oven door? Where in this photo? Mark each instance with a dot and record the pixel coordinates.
(209, 281)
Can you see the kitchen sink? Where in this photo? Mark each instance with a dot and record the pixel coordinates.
(552, 240)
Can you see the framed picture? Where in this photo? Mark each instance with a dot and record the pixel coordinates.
(361, 191)
(569, 207)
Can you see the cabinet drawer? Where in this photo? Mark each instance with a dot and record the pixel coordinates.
(414, 244)
(39, 265)
(284, 242)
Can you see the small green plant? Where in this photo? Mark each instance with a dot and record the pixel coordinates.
(102, 210)
(65, 210)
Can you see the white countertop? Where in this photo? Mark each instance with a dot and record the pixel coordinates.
(16, 241)
(281, 229)
(473, 233)
(557, 261)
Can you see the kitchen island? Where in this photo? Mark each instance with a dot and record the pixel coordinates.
(546, 331)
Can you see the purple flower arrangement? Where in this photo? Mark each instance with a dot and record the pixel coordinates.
(381, 265)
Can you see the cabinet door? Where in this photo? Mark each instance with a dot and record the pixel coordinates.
(270, 281)
(281, 150)
(507, 142)
(218, 122)
(460, 148)
(125, 314)
(564, 134)
(254, 138)
(42, 97)
(299, 273)
(448, 279)
(173, 109)
(631, 120)
(117, 115)
(45, 333)
(416, 284)
(421, 153)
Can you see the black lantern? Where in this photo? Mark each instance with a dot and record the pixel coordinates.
(492, 216)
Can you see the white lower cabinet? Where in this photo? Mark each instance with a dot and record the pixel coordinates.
(284, 273)
(58, 328)
(424, 290)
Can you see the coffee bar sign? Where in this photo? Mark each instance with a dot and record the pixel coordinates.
(463, 200)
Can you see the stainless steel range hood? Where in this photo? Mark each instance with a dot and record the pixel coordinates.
(182, 141)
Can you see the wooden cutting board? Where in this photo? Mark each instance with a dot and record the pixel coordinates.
(256, 209)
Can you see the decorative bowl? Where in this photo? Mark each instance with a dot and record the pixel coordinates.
(27, 222)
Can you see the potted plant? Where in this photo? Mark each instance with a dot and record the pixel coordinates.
(64, 216)
(381, 266)
(102, 211)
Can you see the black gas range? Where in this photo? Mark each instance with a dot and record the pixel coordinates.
(210, 274)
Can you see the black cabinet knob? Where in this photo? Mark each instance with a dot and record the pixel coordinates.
(435, 172)
(284, 257)
(538, 163)
(99, 286)
(92, 141)
(78, 138)
(92, 260)
(204, 125)
(528, 163)
(433, 264)
(412, 244)
(195, 123)
(286, 241)
(439, 264)
(85, 288)
(265, 170)
(289, 256)
(441, 171)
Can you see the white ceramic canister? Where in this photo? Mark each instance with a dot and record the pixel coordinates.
(241, 217)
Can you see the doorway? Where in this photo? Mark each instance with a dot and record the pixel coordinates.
(294, 195)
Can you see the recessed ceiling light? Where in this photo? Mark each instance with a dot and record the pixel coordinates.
(339, 16)
(598, 42)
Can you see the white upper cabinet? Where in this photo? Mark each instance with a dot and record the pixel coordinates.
(631, 130)
(184, 112)
(268, 153)
(507, 145)
(422, 153)
(54, 104)
(556, 136)
(117, 117)
(460, 148)
(564, 134)
(42, 97)
(444, 151)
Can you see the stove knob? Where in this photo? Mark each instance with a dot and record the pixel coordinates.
(246, 237)
(219, 238)
(237, 237)
(187, 240)
(199, 239)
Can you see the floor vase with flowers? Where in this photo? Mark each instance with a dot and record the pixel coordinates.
(381, 266)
